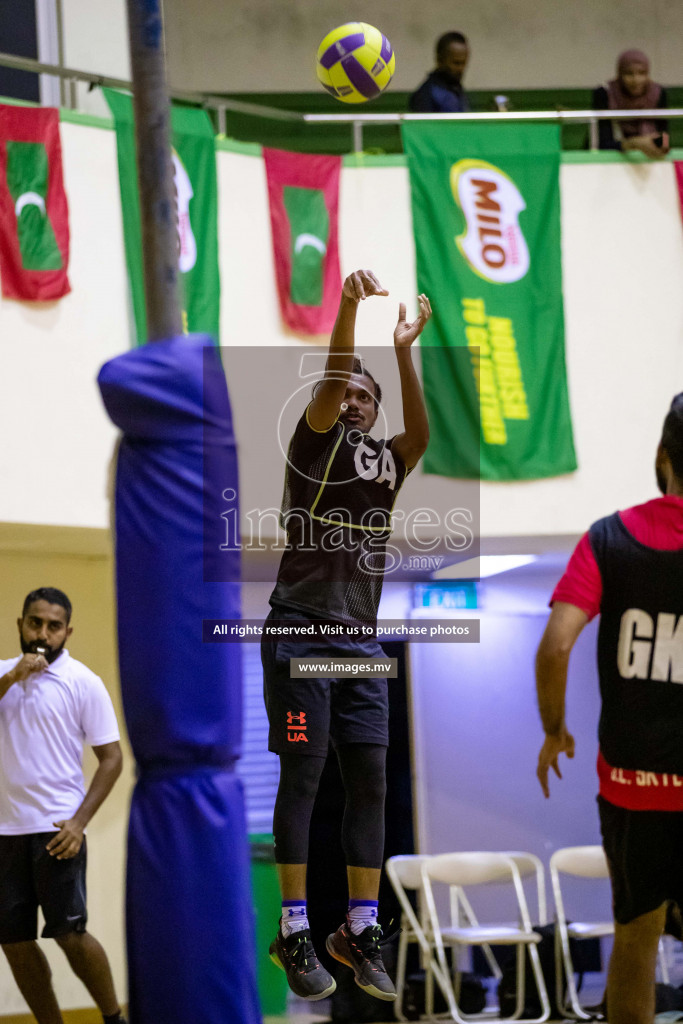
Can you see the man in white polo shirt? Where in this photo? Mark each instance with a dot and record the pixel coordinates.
(50, 706)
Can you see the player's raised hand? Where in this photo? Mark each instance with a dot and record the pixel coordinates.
(362, 284)
(405, 333)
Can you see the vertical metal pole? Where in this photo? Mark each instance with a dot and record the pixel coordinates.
(158, 212)
(59, 15)
(593, 133)
(222, 121)
(357, 136)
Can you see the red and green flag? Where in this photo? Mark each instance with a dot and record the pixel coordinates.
(486, 218)
(34, 216)
(303, 192)
(678, 172)
(194, 164)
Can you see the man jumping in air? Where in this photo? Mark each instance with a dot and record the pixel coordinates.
(629, 568)
(340, 488)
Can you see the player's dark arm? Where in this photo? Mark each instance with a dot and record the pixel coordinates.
(68, 840)
(412, 443)
(324, 408)
(552, 661)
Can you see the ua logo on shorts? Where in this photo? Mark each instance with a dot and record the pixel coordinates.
(296, 727)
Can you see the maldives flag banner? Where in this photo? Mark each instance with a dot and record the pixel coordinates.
(194, 163)
(486, 219)
(34, 216)
(678, 169)
(303, 192)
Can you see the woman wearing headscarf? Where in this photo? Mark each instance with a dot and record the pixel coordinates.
(633, 89)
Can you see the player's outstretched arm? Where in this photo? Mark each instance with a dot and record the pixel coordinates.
(412, 443)
(552, 661)
(324, 408)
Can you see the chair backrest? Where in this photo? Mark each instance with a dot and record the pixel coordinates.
(470, 868)
(587, 862)
(460, 870)
(406, 870)
(580, 861)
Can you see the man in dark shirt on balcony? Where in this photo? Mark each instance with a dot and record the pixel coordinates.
(442, 91)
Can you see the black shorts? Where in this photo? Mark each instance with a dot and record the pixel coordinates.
(31, 878)
(644, 850)
(305, 714)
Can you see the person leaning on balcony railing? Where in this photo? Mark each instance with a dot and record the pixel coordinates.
(633, 89)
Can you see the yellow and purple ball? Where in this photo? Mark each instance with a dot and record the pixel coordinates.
(355, 62)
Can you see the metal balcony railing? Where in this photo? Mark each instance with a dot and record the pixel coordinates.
(356, 119)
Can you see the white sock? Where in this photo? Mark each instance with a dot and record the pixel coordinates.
(361, 914)
(294, 917)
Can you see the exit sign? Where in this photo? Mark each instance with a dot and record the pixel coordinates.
(447, 596)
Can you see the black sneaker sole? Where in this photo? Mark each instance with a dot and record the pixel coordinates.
(387, 997)
(310, 999)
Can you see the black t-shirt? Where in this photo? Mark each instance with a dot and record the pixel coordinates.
(439, 94)
(340, 488)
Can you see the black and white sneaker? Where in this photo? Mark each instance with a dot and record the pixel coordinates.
(362, 954)
(306, 976)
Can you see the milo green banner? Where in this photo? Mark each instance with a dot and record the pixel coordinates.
(194, 162)
(486, 216)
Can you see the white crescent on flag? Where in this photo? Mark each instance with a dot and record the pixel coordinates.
(29, 199)
(303, 240)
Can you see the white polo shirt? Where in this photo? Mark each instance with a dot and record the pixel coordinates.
(44, 723)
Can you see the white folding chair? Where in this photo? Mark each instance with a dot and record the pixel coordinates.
(404, 873)
(527, 865)
(460, 871)
(579, 862)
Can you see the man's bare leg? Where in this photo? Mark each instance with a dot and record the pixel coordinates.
(631, 977)
(292, 879)
(363, 883)
(89, 962)
(32, 974)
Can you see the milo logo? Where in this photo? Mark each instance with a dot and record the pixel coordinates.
(492, 243)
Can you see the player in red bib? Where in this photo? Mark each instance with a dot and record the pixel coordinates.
(629, 568)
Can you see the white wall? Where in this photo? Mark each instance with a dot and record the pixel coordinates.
(270, 46)
(622, 255)
(266, 46)
(56, 438)
(96, 40)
